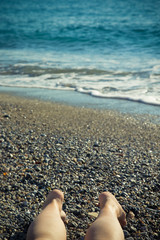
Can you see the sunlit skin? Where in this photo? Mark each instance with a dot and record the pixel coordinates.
(49, 224)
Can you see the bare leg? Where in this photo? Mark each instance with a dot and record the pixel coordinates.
(108, 224)
(48, 225)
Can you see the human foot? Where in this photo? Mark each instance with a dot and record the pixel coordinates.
(58, 197)
(107, 200)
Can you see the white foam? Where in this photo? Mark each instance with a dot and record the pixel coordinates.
(117, 84)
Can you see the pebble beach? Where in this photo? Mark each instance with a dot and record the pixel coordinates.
(45, 145)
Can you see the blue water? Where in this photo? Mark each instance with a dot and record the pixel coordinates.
(103, 48)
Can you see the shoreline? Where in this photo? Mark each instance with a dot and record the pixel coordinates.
(77, 99)
(82, 151)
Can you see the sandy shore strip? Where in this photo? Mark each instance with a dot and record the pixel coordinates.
(82, 151)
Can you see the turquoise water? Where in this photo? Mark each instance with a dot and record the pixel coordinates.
(108, 49)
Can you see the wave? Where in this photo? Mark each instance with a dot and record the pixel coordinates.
(149, 100)
(35, 70)
(140, 99)
(140, 86)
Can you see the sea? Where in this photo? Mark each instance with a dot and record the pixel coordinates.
(103, 49)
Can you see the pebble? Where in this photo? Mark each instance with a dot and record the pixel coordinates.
(53, 148)
(130, 215)
(93, 214)
(126, 234)
(6, 116)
